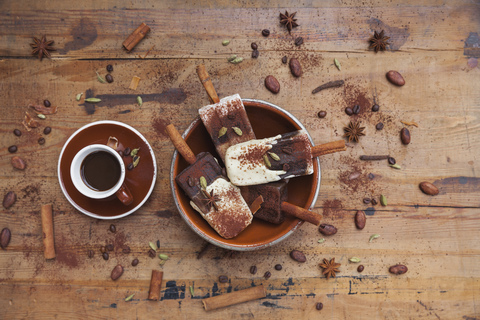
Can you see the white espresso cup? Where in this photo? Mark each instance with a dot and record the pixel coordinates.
(119, 188)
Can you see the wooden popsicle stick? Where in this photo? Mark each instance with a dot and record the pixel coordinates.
(230, 299)
(207, 83)
(180, 144)
(301, 213)
(47, 230)
(326, 148)
(256, 204)
(155, 285)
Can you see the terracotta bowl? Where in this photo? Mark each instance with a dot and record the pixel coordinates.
(267, 120)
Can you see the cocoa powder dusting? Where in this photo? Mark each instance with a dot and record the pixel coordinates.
(65, 253)
(160, 125)
(333, 209)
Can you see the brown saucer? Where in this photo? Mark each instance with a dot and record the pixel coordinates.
(140, 180)
(267, 120)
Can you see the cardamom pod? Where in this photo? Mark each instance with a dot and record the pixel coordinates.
(274, 156)
(222, 131)
(267, 162)
(354, 260)
(337, 64)
(395, 166)
(134, 152)
(237, 60)
(237, 130)
(129, 297)
(139, 101)
(100, 79)
(373, 237)
(79, 96)
(136, 159)
(41, 116)
(163, 256)
(191, 291)
(225, 42)
(383, 200)
(93, 100)
(232, 57)
(321, 240)
(203, 182)
(153, 246)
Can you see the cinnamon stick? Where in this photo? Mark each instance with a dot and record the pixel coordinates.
(374, 157)
(180, 144)
(256, 204)
(207, 84)
(47, 230)
(135, 37)
(301, 213)
(230, 299)
(327, 148)
(155, 285)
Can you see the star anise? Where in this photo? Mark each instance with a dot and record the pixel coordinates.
(353, 131)
(288, 20)
(42, 47)
(379, 41)
(210, 200)
(330, 267)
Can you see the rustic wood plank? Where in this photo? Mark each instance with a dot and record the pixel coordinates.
(436, 237)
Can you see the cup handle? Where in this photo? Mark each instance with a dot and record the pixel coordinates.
(124, 195)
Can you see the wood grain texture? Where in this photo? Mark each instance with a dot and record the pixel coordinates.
(436, 237)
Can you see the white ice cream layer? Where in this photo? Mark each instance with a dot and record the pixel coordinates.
(233, 214)
(245, 165)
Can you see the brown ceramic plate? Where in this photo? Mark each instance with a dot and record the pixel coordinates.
(140, 180)
(267, 120)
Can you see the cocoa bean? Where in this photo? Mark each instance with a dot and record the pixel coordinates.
(18, 163)
(398, 269)
(135, 262)
(428, 188)
(405, 136)
(5, 238)
(354, 175)
(295, 67)
(327, 229)
(395, 78)
(272, 84)
(298, 256)
(9, 199)
(360, 219)
(116, 272)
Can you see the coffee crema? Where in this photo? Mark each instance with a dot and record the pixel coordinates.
(100, 170)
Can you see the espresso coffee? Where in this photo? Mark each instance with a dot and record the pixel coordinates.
(100, 171)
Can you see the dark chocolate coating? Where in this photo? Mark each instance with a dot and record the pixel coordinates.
(273, 193)
(189, 179)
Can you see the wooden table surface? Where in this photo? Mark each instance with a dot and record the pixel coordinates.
(434, 45)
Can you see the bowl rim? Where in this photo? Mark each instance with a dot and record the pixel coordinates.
(198, 231)
(91, 214)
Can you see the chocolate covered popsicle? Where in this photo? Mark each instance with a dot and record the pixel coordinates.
(225, 120)
(275, 207)
(271, 159)
(218, 201)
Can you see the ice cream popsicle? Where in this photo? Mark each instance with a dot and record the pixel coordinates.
(227, 123)
(218, 201)
(225, 120)
(275, 207)
(281, 157)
